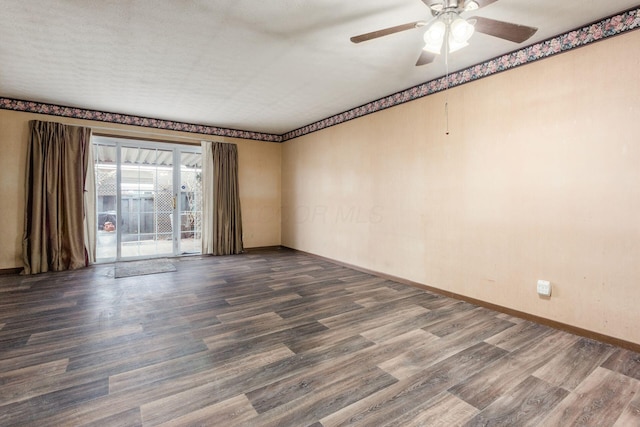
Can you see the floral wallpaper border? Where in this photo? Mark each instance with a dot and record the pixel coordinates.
(125, 119)
(614, 25)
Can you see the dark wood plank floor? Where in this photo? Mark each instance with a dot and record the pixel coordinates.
(279, 338)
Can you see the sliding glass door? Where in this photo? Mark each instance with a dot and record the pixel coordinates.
(190, 202)
(149, 199)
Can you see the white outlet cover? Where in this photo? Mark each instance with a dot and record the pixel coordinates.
(544, 288)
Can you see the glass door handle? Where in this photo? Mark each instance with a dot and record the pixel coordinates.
(174, 202)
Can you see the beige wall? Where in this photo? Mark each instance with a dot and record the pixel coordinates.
(259, 166)
(539, 179)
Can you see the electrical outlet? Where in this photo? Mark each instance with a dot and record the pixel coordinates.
(544, 288)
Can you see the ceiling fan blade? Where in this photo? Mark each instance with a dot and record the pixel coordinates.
(425, 58)
(504, 30)
(386, 31)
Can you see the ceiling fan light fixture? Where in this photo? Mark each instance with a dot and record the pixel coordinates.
(435, 32)
(434, 36)
(461, 30)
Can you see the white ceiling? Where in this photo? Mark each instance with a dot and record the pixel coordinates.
(266, 66)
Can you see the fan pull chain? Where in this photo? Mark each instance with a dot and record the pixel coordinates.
(446, 114)
(446, 89)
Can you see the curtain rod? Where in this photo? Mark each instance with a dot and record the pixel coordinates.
(190, 142)
(108, 132)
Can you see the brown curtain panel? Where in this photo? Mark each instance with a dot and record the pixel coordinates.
(56, 171)
(224, 230)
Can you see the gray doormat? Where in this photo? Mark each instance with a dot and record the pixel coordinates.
(139, 268)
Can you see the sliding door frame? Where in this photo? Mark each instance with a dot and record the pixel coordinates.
(177, 150)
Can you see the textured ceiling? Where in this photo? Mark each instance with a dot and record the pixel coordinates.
(266, 66)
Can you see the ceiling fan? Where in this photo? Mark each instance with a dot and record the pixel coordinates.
(449, 29)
